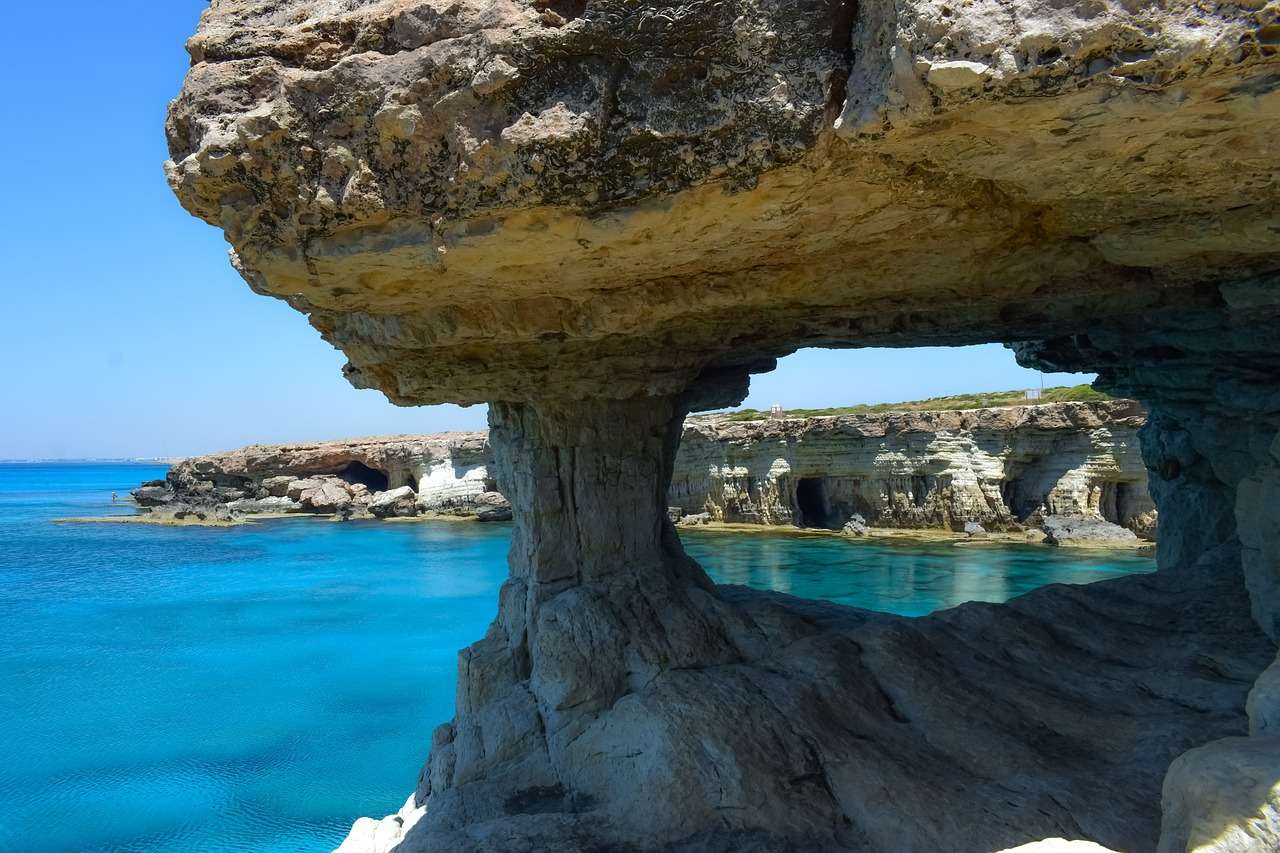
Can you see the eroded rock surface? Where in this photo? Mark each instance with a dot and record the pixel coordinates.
(387, 477)
(845, 730)
(600, 215)
(1224, 797)
(999, 469)
(496, 200)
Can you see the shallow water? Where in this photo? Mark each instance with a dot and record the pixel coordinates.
(257, 688)
(898, 576)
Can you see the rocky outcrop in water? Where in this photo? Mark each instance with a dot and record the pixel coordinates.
(1001, 469)
(601, 215)
(1074, 468)
(395, 476)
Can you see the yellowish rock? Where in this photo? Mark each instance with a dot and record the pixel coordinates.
(1224, 797)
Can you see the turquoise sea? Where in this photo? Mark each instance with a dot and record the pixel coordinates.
(258, 688)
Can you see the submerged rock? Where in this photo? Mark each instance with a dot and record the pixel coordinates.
(1263, 705)
(182, 511)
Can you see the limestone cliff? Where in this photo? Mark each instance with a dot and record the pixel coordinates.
(1001, 468)
(600, 215)
(393, 475)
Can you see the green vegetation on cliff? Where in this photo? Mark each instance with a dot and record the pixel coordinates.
(990, 399)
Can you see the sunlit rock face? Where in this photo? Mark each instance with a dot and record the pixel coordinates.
(600, 214)
(505, 200)
(999, 468)
(393, 475)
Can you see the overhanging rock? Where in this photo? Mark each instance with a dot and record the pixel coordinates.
(496, 200)
(600, 214)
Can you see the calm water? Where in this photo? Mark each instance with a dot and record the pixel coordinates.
(258, 688)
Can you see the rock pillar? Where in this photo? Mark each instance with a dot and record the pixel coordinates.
(621, 701)
(601, 598)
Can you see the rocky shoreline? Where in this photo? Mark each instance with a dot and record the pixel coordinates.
(384, 477)
(1067, 473)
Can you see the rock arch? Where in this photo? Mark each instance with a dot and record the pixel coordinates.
(599, 222)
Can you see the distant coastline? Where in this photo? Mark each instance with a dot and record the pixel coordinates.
(142, 460)
(1064, 472)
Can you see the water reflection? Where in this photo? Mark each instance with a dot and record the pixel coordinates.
(907, 578)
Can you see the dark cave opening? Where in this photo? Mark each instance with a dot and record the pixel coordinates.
(1120, 502)
(358, 472)
(1012, 492)
(813, 508)
(1109, 502)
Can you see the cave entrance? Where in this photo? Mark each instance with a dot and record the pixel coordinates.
(1109, 502)
(1119, 502)
(358, 472)
(813, 507)
(1017, 497)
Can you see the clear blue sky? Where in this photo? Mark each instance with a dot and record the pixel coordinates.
(128, 333)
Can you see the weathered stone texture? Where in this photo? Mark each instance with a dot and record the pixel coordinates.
(1000, 468)
(1224, 798)
(491, 200)
(444, 473)
(602, 214)
(812, 727)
